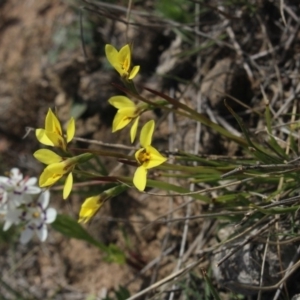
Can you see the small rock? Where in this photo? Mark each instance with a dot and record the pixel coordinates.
(244, 266)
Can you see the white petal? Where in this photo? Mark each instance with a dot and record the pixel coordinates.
(3, 197)
(26, 235)
(27, 199)
(12, 217)
(7, 185)
(3, 179)
(32, 190)
(50, 215)
(31, 181)
(15, 174)
(17, 200)
(3, 210)
(11, 206)
(44, 199)
(42, 232)
(7, 225)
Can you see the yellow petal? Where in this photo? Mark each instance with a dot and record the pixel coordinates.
(48, 178)
(52, 123)
(137, 154)
(47, 156)
(56, 139)
(70, 130)
(68, 186)
(134, 72)
(125, 58)
(123, 117)
(156, 158)
(146, 134)
(133, 129)
(121, 102)
(112, 56)
(140, 178)
(42, 137)
(62, 167)
(89, 208)
(49, 121)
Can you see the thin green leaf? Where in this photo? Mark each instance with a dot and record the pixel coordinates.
(212, 290)
(273, 143)
(257, 151)
(200, 118)
(171, 187)
(71, 228)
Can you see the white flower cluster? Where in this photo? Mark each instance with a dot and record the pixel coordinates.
(23, 203)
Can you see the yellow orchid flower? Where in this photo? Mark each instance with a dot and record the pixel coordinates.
(89, 208)
(127, 112)
(57, 168)
(52, 135)
(121, 61)
(148, 157)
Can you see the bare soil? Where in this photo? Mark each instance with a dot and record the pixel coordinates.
(42, 65)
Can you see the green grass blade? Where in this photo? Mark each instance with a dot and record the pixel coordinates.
(257, 151)
(71, 228)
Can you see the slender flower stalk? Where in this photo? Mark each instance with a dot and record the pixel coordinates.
(121, 61)
(147, 157)
(53, 135)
